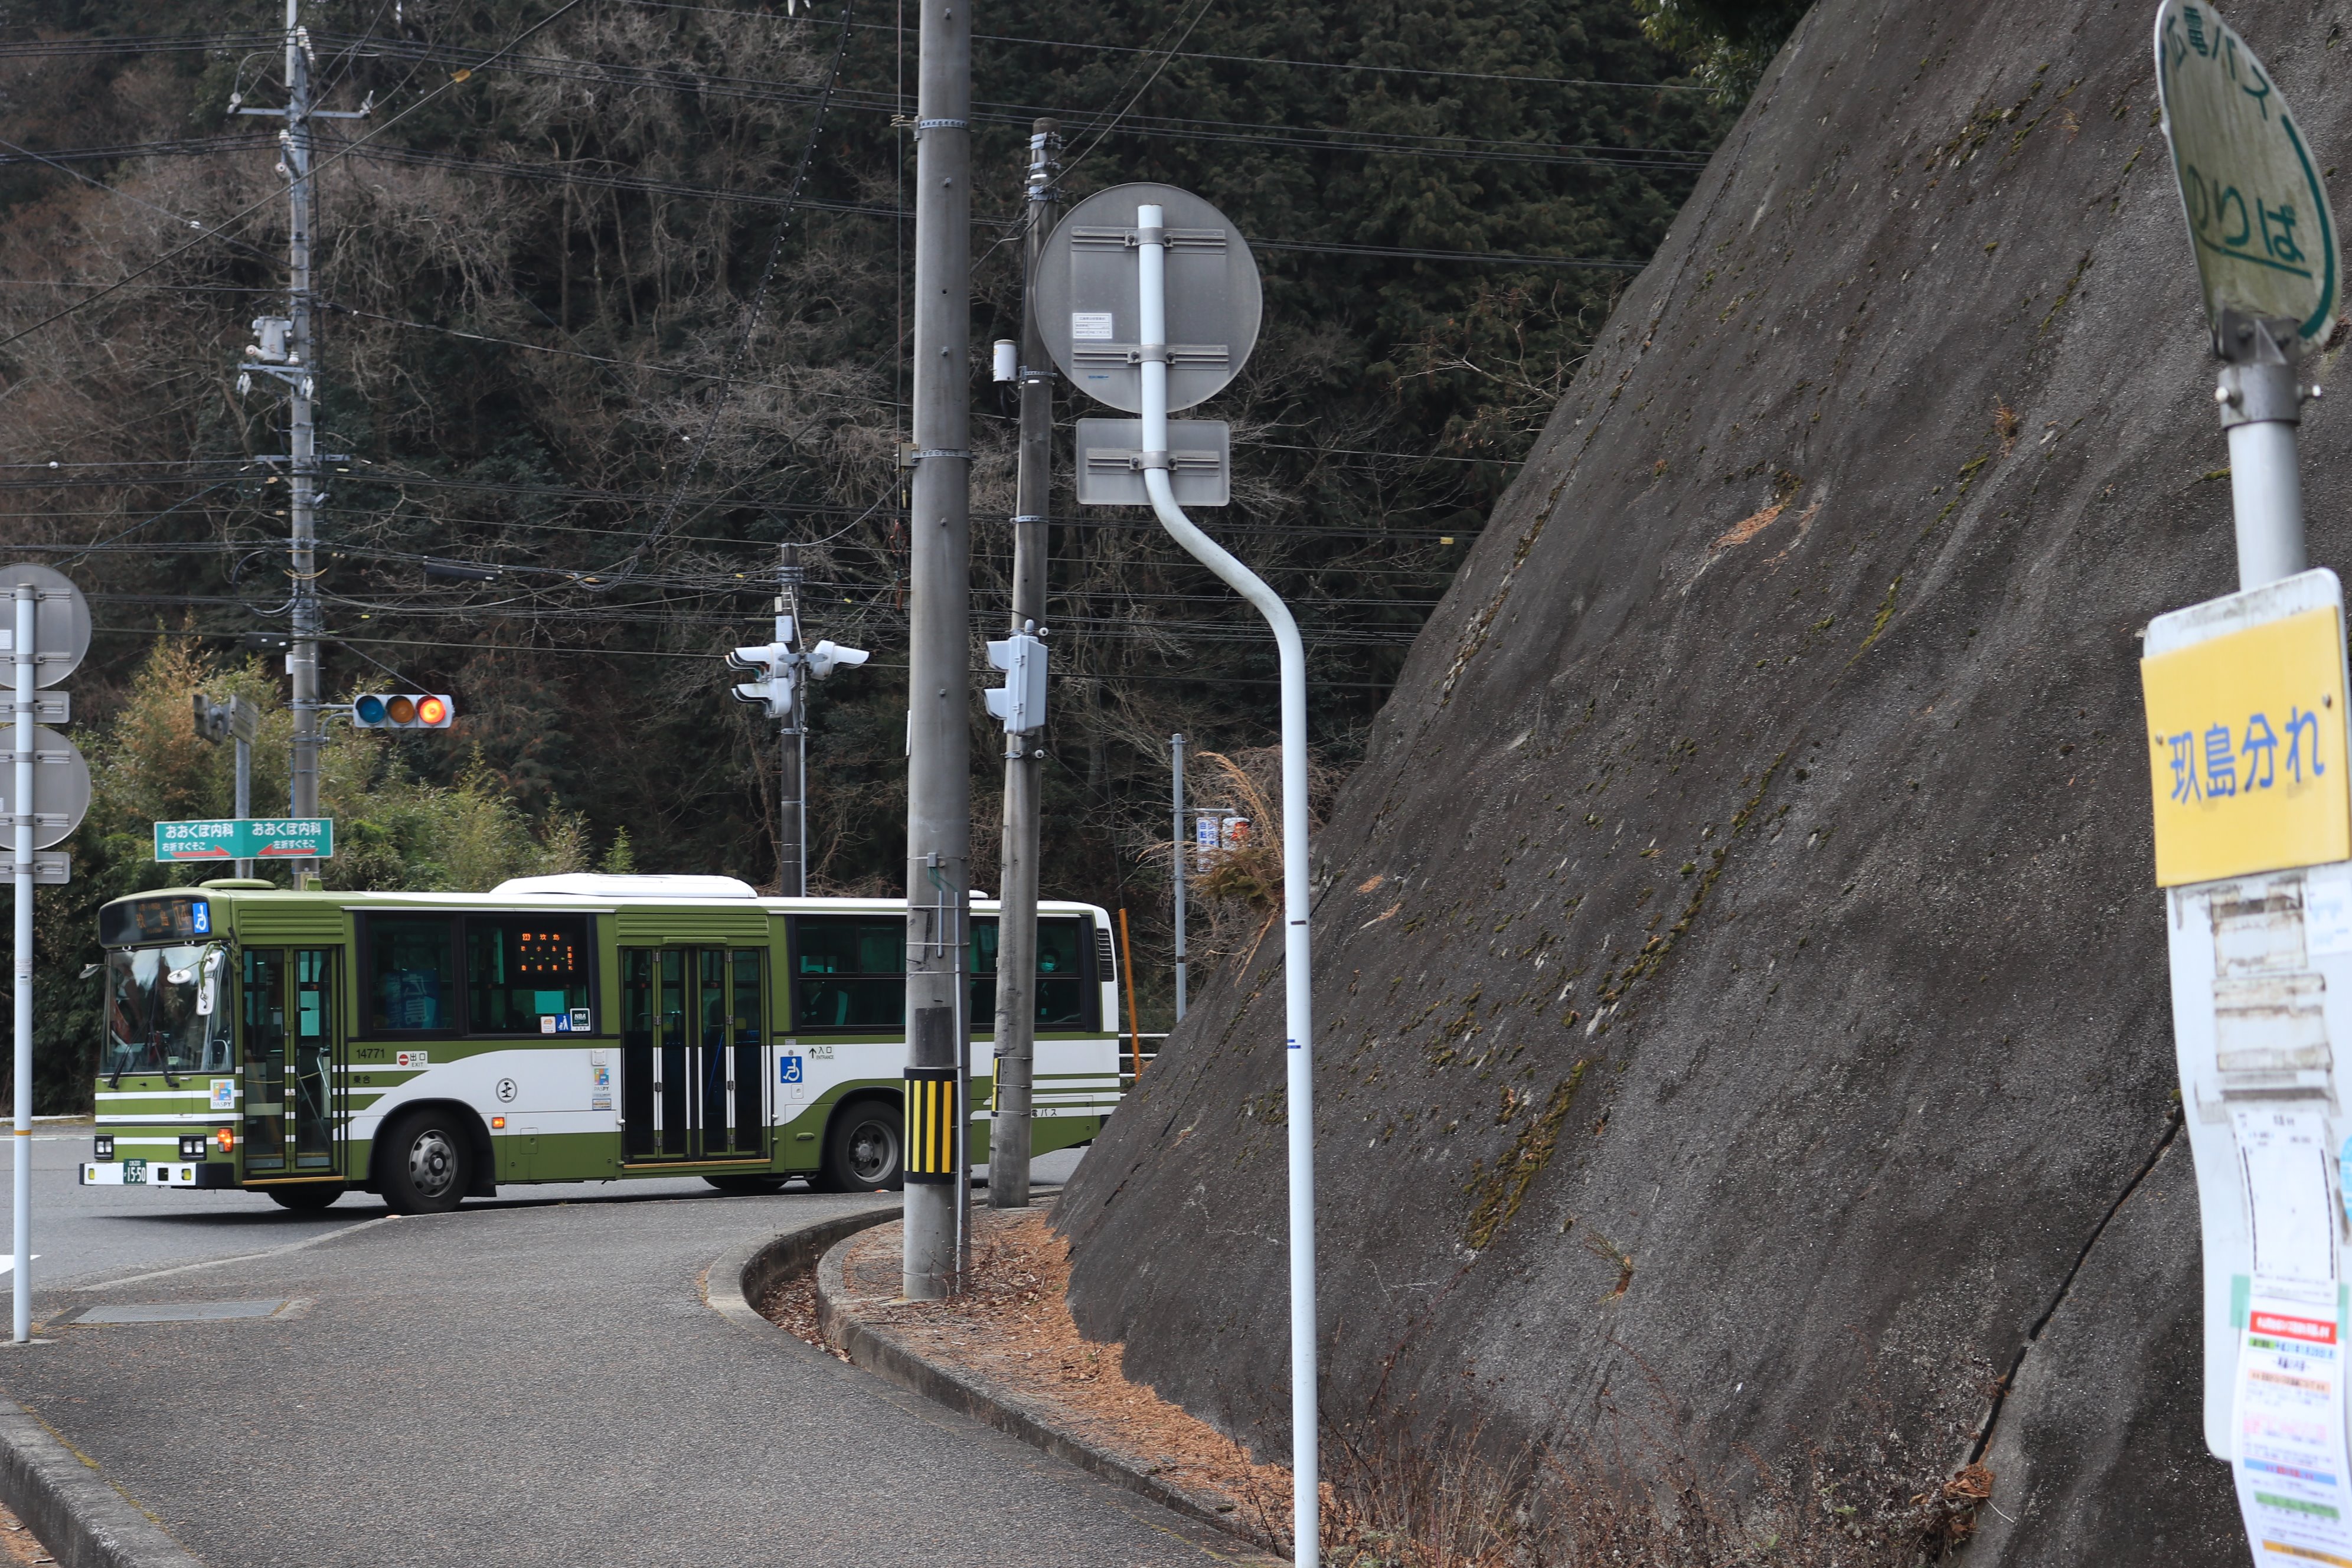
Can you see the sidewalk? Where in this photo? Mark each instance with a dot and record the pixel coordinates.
(543, 1384)
(1006, 1353)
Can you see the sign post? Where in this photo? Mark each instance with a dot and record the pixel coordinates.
(1149, 301)
(48, 792)
(2250, 773)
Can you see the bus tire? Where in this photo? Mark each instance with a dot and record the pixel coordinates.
(426, 1161)
(309, 1199)
(746, 1187)
(864, 1149)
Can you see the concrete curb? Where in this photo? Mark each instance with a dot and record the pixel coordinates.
(743, 1275)
(876, 1349)
(83, 1519)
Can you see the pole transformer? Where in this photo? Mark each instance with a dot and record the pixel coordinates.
(1016, 921)
(939, 728)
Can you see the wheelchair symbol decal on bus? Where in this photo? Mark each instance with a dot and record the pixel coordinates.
(790, 1066)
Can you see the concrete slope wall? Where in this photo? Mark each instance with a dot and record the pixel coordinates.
(1739, 974)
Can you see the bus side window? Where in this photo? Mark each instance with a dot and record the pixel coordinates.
(849, 972)
(525, 973)
(411, 973)
(1061, 978)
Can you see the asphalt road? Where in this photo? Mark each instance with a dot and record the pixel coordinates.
(82, 1235)
(529, 1382)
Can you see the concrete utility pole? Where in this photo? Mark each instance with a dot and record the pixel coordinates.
(1176, 860)
(1017, 919)
(303, 661)
(792, 828)
(939, 729)
(284, 348)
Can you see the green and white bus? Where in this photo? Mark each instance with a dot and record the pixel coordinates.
(434, 1047)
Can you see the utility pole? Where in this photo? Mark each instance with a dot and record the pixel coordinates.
(791, 829)
(1176, 862)
(1017, 919)
(285, 348)
(938, 731)
(302, 661)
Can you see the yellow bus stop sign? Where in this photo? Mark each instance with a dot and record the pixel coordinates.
(2246, 732)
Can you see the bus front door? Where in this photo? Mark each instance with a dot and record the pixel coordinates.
(693, 1084)
(293, 1088)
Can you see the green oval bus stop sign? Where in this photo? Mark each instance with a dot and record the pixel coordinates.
(2258, 214)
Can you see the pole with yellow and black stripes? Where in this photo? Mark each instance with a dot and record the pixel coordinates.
(931, 1125)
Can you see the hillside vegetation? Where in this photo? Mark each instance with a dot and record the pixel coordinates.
(575, 328)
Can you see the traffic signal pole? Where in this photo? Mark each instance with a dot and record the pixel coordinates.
(1151, 342)
(792, 827)
(1013, 1099)
(939, 728)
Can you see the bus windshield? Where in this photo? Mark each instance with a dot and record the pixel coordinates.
(164, 1012)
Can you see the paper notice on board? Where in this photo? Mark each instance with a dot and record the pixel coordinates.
(2327, 909)
(2289, 1464)
(2284, 1155)
(2287, 1432)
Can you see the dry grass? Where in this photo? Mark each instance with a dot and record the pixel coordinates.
(1399, 1491)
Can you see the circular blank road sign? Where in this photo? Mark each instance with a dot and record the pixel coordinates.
(61, 626)
(1084, 297)
(2258, 214)
(61, 786)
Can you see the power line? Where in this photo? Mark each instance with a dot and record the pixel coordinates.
(546, 174)
(1240, 60)
(563, 10)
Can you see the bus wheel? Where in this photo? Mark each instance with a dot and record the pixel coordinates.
(864, 1151)
(426, 1156)
(306, 1200)
(744, 1186)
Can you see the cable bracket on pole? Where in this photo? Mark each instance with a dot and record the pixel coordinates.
(923, 125)
(910, 456)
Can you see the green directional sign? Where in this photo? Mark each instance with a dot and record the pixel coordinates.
(2258, 214)
(249, 839)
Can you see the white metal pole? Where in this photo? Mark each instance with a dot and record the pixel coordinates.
(1152, 254)
(1176, 863)
(2261, 404)
(21, 1284)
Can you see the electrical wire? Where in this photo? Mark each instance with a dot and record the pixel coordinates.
(316, 169)
(751, 311)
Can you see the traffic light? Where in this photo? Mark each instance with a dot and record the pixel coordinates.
(829, 657)
(404, 711)
(1020, 701)
(771, 662)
